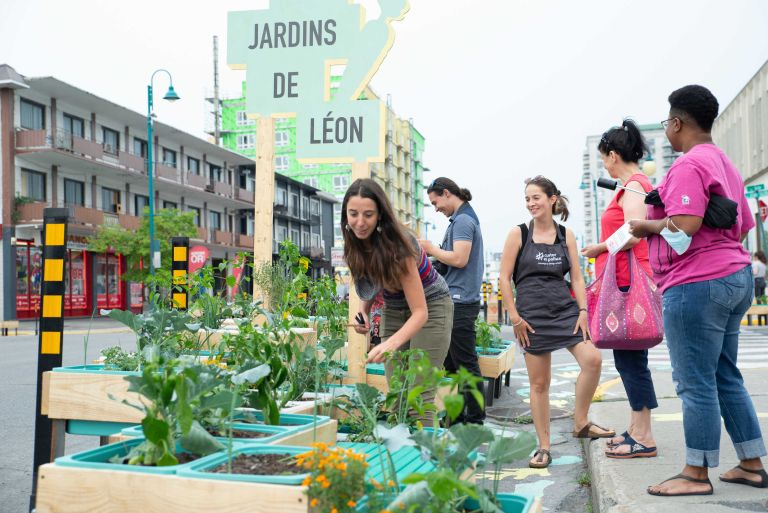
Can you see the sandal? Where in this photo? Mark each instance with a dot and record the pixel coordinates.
(686, 478)
(587, 432)
(544, 464)
(763, 483)
(636, 450)
(624, 435)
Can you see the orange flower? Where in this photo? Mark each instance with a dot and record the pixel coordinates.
(307, 481)
(313, 503)
(351, 504)
(326, 484)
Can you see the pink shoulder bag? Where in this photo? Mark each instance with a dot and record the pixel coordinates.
(624, 320)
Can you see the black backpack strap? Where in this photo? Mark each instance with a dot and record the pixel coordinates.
(524, 234)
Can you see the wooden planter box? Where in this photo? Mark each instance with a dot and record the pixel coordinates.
(493, 366)
(80, 490)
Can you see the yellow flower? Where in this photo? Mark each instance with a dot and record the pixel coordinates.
(313, 503)
(307, 481)
(326, 484)
(390, 483)
(334, 510)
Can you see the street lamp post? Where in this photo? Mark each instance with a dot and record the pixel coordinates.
(170, 95)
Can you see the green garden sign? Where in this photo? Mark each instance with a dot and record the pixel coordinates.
(288, 51)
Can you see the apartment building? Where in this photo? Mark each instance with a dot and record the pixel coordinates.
(65, 147)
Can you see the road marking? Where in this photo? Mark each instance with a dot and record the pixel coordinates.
(603, 387)
(517, 473)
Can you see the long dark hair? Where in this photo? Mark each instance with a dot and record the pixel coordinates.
(550, 189)
(440, 185)
(387, 258)
(761, 256)
(626, 140)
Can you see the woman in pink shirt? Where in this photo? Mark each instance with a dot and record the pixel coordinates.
(706, 280)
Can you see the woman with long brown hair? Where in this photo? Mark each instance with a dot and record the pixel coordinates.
(382, 255)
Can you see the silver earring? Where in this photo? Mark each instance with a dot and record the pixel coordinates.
(348, 228)
(378, 228)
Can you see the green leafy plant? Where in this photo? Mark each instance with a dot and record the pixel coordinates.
(487, 335)
(117, 359)
(18, 202)
(175, 394)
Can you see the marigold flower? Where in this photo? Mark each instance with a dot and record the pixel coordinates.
(313, 502)
(326, 484)
(307, 481)
(351, 504)
(334, 510)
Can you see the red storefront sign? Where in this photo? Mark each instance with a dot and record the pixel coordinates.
(198, 255)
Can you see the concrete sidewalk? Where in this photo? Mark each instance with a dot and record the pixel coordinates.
(619, 486)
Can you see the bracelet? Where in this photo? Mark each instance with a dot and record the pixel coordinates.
(582, 309)
(518, 323)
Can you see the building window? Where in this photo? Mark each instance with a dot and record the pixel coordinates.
(281, 197)
(74, 192)
(281, 163)
(110, 140)
(310, 166)
(243, 120)
(195, 211)
(214, 220)
(316, 243)
(281, 120)
(140, 202)
(293, 206)
(314, 207)
(215, 173)
(74, 125)
(169, 158)
(168, 205)
(246, 141)
(337, 232)
(281, 138)
(336, 211)
(304, 207)
(340, 182)
(295, 236)
(32, 115)
(282, 233)
(311, 181)
(110, 200)
(193, 165)
(305, 239)
(140, 147)
(33, 185)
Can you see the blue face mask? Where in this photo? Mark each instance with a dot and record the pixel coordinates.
(679, 241)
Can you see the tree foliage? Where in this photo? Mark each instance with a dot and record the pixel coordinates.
(135, 245)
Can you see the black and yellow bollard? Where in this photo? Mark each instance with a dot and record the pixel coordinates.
(49, 442)
(180, 270)
(501, 306)
(485, 301)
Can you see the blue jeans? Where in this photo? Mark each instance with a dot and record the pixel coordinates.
(702, 321)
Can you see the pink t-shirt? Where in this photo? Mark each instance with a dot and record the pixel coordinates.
(685, 190)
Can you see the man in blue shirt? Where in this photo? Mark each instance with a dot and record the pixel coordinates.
(462, 255)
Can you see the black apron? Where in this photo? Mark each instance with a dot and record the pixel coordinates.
(543, 297)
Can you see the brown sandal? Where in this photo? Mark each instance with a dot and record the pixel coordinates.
(587, 432)
(544, 464)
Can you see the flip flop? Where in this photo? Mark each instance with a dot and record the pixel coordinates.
(763, 483)
(624, 435)
(586, 432)
(544, 464)
(636, 450)
(686, 478)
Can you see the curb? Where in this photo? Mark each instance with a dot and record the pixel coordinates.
(95, 331)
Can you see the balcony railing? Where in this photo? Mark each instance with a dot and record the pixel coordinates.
(134, 162)
(196, 180)
(30, 212)
(202, 233)
(244, 241)
(129, 222)
(245, 195)
(167, 172)
(220, 237)
(224, 189)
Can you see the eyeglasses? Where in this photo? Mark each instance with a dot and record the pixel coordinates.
(665, 123)
(434, 183)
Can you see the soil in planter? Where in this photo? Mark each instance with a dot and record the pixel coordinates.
(247, 420)
(240, 433)
(262, 465)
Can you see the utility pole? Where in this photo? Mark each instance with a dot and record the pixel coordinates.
(216, 103)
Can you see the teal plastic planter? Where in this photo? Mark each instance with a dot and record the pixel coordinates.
(275, 433)
(295, 420)
(200, 469)
(99, 459)
(94, 369)
(509, 503)
(491, 351)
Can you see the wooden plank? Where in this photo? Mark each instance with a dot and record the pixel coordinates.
(265, 190)
(357, 344)
(325, 432)
(85, 396)
(757, 310)
(44, 394)
(78, 490)
(491, 366)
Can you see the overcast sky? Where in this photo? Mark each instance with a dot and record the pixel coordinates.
(501, 89)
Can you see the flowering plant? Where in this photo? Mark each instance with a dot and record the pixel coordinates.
(337, 478)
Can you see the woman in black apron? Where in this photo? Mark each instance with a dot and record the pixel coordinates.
(545, 316)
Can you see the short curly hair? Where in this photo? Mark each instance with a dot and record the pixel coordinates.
(696, 102)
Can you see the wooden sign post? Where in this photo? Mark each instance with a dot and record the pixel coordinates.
(288, 51)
